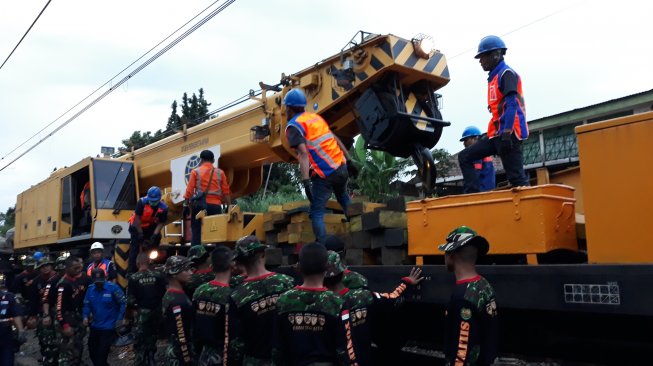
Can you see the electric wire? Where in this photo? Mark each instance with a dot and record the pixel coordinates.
(126, 78)
(110, 80)
(25, 35)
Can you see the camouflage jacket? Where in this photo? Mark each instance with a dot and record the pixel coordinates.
(312, 328)
(354, 280)
(255, 300)
(471, 324)
(197, 279)
(215, 318)
(145, 289)
(178, 313)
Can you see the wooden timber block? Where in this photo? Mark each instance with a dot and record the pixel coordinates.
(356, 224)
(299, 206)
(394, 256)
(328, 218)
(397, 204)
(303, 238)
(269, 226)
(359, 240)
(277, 218)
(389, 238)
(359, 208)
(383, 219)
(271, 238)
(282, 237)
(273, 256)
(299, 227)
(359, 257)
(275, 208)
(287, 249)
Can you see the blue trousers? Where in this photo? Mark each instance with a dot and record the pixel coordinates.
(322, 188)
(513, 162)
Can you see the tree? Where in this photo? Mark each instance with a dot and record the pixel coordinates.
(7, 220)
(194, 110)
(376, 170)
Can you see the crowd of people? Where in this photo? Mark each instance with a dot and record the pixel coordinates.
(225, 307)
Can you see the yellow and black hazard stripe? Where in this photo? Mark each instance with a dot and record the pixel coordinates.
(121, 260)
(395, 51)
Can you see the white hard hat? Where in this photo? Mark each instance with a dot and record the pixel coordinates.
(97, 245)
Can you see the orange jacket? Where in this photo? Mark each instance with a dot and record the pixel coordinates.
(324, 152)
(216, 192)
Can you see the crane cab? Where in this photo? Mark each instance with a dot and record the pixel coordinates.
(89, 201)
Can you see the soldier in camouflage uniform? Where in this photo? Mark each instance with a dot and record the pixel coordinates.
(178, 312)
(145, 290)
(215, 319)
(70, 293)
(471, 317)
(40, 283)
(255, 300)
(352, 280)
(364, 305)
(203, 272)
(311, 321)
(46, 329)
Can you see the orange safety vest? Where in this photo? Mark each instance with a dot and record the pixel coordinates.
(85, 196)
(323, 151)
(217, 177)
(104, 265)
(150, 216)
(496, 105)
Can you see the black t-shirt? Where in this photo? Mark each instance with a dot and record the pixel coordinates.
(145, 290)
(36, 293)
(50, 293)
(8, 309)
(70, 296)
(294, 137)
(178, 312)
(471, 324)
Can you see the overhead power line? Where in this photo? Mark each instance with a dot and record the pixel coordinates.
(128, 77)
(24, 35)
(109, 81)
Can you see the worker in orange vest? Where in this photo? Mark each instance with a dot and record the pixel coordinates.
(85, 205)
(98, 261)
(208, 190)
(322, 159)
(507, 127)
(146, 222)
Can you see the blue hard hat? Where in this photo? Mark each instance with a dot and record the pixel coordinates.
(490, 43)
(470, 131)
(37, 256)
(295, 98)
(154, 195)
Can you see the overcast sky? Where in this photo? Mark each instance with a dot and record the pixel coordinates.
(585, 53)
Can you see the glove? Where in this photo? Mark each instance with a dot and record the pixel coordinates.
(505, 145)
(155, 239)
(307, 189)
(352, 170)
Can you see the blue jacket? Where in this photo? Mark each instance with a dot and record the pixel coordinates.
(486, 176)
(106, 305)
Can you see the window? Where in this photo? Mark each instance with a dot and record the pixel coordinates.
(115, 186)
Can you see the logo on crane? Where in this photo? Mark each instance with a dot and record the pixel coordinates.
(193, 163)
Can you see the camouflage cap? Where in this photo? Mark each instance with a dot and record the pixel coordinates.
(44, 261)
(28, 262)
(334, 265)
(177, 264)
(248, 245)
(60, 263)
(462, 236)
(197, 253)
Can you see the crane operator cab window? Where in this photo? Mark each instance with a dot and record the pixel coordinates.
(113, 187)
